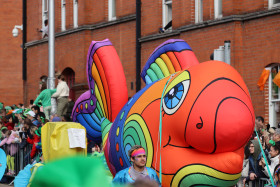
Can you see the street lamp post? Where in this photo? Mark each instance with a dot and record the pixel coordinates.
(51, 78)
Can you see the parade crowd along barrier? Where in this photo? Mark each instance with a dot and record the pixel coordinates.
(17, 157)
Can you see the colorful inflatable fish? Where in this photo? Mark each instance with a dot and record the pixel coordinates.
(198, 133)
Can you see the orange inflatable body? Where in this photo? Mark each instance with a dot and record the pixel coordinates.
(192, 118)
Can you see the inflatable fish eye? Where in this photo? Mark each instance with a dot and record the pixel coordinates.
(176, 93)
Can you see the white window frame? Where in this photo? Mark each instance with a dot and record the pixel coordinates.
(63, 15)
(272, 4)
(218, 9)
(75, 13)
(272, 102)
(198, 11)
(166, 12)
(112, 10)
(45, 11)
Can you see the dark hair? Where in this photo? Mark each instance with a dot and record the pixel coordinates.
(277, 147)
(46, 22)
(7, 130)
(41, 114)
(28, 122)
(61, 77)
(44, 86)
(35, 107)
(33, 128)
(67, 118)
(133, 149)
(260, 118)
(246, 150)
(20, 104)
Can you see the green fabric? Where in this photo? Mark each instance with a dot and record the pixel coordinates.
(101, 156)
(45, 97)
(19, 111)
(71, 172)
(26, 111)
(257, 149)
(11, 162)
(8, 108)
(38, 131)
(1, 106)
(1, 133)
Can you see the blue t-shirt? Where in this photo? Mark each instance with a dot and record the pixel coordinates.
(123, 176)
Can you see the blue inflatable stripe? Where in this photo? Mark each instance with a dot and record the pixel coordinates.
(90, 121)
(171, 45)
(90, 131)
(148, 79)
(95, 118)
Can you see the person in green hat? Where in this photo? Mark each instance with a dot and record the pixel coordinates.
(71, 172)
(1, 128)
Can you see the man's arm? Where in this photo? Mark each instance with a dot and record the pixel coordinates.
(38, 99)
(58, 91)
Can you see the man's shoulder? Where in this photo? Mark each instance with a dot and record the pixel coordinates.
(150, 169)
(123, 171)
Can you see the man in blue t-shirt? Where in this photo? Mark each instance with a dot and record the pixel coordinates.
(138, 170)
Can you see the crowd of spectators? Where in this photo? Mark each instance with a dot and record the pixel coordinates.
(260, 166)
(21, 127)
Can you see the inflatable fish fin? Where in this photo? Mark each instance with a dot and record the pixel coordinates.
(172, 56)
(107, 92)
(105, 128)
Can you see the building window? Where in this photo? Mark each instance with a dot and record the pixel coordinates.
(274, 97)
(218, 4)
(198, 11)
(63, 14)
(112, 9)
(45, 11)
(75, 13)
(167, 14)
(273, 3)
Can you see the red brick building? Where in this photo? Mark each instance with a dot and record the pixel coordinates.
(11, 84)
(251, 26)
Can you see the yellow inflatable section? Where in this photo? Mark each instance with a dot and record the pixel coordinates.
(63, 139)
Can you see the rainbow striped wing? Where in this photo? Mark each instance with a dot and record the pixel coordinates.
(172, 56)
(107, 89)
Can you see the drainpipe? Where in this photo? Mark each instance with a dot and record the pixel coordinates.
(23, 40)
(24, 52)
(138, 45)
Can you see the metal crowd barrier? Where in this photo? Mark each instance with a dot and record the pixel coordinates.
(17, 155)
(262, 182)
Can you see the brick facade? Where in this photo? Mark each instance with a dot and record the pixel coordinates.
(11, 83)
(252, 29)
